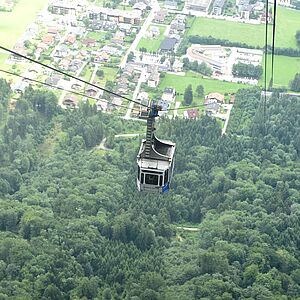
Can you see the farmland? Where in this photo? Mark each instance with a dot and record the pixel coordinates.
(25, 14)
(251, 34)
(210, 85)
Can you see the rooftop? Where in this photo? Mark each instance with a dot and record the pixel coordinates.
(168, 44)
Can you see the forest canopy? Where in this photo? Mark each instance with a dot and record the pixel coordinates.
(73, 225)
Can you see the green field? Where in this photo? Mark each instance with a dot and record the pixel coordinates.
(152, 44)
(288, 22)
(210, 85)
(109, 75)
(285, 69)
(96, 35)
(13, 24)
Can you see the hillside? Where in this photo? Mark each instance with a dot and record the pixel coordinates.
(73, 225)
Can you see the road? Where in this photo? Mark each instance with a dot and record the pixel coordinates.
(129, 135)
(135, 94)
(140, 35)
(229, 108)
(64, 93)
(91, 81)
(177, 104)
(188, 228)
(63, 38)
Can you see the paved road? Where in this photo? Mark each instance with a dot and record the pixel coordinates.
(135, 94)
(64, 93)
(140, 35)
(229, 108)
(129, 135)
(188, 228)
(177, 104)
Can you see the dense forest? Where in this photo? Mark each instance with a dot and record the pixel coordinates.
(73, 225)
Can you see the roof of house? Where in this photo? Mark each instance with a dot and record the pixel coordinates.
(192, 113)
(71, 38)
(201, 3)
(48, 38)
(88, 41)
(53, 80)
(154, 76)
(219, 3)
(140, 6)
(71, 98)
(219, 97)
(131, 14)
(168, 44)
(52, 30)
(169, 90)
(212, 106)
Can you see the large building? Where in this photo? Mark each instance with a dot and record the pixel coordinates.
(218, 7)
(121, 16)
(198, 5)
(213, 55)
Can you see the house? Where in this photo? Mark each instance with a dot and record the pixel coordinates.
(111, 50)
(218, 7)
(153, 32)
(212, 108)
(70, 101)
(41, 47)
(191, 113)
(140, 6)
(160, 16)
(143, 96)
(64, 64)
(163, 104)
(117, 102)
(127, 28)
(48, 39)
(263, 18)
(20, 87)
(121, 16)
(88, 42)
(177, 26)
(53, 80)
(118, 38)
(128, 70)
(198, 5)
(101, 56)
(177, 66)
(62, 7)
(153, 80)
(61, 51)
(245, 11)
(52, 30)
(102, 104)
(171, 4)
(169, 95)
(168, 44)
(77, 85)
(214, 98)
(19, 48)
(91, 91)
(75, 65)
(71, 39)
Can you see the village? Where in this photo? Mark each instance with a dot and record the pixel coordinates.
(129, 47)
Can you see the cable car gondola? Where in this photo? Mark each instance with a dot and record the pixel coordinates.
(155, 159)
